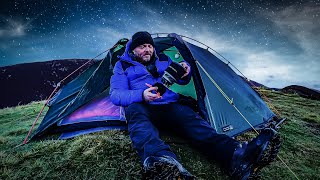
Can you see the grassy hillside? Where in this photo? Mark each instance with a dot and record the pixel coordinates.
(109, 155)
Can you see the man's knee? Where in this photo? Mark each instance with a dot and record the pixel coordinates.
(137, 113)
(135, 108)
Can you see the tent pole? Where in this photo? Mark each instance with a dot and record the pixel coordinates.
(35, 121)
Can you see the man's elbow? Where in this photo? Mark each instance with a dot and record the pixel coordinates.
(115, 99)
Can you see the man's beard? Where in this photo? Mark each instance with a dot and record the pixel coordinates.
(141, 60)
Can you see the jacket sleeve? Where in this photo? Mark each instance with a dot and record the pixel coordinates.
(120, 93)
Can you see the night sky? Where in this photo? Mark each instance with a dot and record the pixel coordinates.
(275, 42)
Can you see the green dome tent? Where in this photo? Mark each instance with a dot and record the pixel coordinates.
(222, 97)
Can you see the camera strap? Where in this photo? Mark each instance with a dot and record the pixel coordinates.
(152, 69)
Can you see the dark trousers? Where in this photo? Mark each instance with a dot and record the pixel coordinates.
(145, 119)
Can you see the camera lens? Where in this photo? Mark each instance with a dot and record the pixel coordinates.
(172, 74)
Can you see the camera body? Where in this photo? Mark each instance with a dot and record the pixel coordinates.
(171, 75)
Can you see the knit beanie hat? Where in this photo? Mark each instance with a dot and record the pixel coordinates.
(139, 38)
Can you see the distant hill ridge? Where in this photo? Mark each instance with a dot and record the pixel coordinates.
(292, 89)
(302, 91)
(24, 83)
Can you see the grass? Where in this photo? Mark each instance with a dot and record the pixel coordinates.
(109, 154)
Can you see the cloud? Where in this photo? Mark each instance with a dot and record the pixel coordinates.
(13, 28)
(300, 23)
(269, 66)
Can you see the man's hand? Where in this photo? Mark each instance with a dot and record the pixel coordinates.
(186, 68)
(148, 96)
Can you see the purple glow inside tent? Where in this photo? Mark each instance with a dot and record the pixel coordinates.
(99, 109)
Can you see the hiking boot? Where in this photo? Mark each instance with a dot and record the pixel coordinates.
(165, 167)
(248, 154)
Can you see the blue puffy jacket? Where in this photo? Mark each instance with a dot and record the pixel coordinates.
(127, 86)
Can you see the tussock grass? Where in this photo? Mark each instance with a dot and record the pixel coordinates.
(109, 154)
